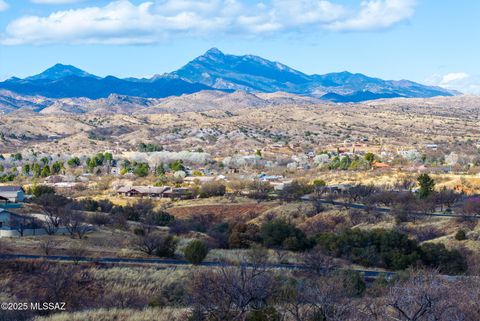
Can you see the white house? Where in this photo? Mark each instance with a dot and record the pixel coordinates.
(17, 225)
(14, 194)
(12, 225)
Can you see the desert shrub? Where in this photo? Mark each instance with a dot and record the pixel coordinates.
(242, 236)
(39, 190)
(51, 200)
(91, 205)
(219, 233)
(198, 223)
(140, 231)
(211, 189)
(141, 170)
(427, 233)
(341, 163)
(98, 219)
(159, 218)
(195, 252)
(292, 243)
(460, 235)
(446, 261)
(166, 247)
(173, 294)
(353, 283)
(177, 166)
(390, 249)
(275, 233)
(179, 227)
(295, 190)
(148, 148)
(421, 234)
(151, 243)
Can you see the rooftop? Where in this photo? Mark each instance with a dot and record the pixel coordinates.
(10, 188)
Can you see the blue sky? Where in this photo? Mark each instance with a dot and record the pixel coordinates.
(428, 41)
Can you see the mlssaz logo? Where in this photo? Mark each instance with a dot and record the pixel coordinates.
(47, 306)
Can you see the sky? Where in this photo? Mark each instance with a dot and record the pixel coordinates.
(434, 42)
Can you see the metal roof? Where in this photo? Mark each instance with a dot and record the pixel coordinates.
(10, 188)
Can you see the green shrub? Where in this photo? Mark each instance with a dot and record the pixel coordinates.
(446, 261)
(460, 235)
(390, 249)
(167, 246)
(211, 189)
(142, 170)
(353, 283)
(174, 294)
(278, 233)
(195, 252)
(160, 218)
(39, 190)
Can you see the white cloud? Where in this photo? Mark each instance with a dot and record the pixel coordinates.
(123, 22)
(377, 14)
(56, 1)
(460, 81)
(3, 5)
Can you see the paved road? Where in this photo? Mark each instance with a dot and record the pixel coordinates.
(366, 273)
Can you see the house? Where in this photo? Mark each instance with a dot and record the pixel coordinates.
(142, 191)
(178, 193)
(14, 194)
(3, 201)
(12, 224)
(270, 178)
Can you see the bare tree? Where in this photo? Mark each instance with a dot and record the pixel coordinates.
(23, 223)
(67, 284)
(321, 298)
(77, 252)
(148, 243)
(74, 223)
(317, 262)
(228, 293)
(53, 220)
(48, 245)
(424, 296)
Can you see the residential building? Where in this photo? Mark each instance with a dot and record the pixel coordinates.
(14, 194)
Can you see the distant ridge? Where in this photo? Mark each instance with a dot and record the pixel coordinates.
(255, 74)
(215, 70)
(60, 71)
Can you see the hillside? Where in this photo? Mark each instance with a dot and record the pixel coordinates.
(393, 124)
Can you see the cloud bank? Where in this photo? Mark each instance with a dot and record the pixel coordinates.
(56, 1)
(3, 5)
(123, 22)
(460, 81)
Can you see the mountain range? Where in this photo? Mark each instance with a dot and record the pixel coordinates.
(215, 70)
